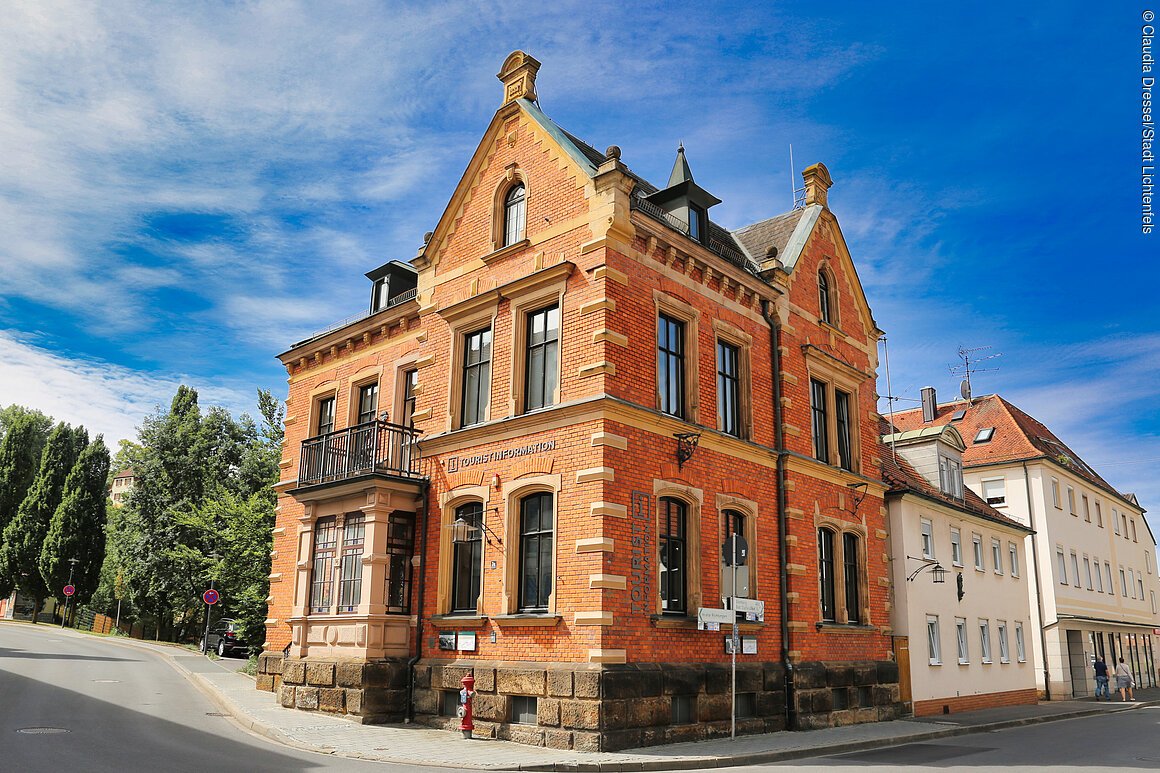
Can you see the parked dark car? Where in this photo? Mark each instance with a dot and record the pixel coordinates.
(224, 638)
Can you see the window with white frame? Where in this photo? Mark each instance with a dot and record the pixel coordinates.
(1055, 494)
(1108, 572)
(1087, 572)
(1074, 569)
(977, 543)
(950, 476)
(961, 639)
(1116, 521)
(956, 547)
(1099, 515)
(1004, 651)
(985, 640)
(1123, 584)
(994, 491)
(997, 555)
(1020, 648)
(1124, 520)
(927, 529)
(934, 649)
(1071, 501)
(1140, 584)
(1061, 565)
(1087, 513)
(1133, 522)
(1013, 555)
(1152, 593)
(1099, 577)
(1148, 562)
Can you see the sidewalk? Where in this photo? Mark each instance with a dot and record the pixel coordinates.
(259, 712)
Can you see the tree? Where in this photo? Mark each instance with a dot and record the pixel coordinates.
(77, 529)
(24, 535)
(9, 416)
(20, 453)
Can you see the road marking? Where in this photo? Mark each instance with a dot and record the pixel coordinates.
(43, 730)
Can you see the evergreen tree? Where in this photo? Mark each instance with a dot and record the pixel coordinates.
(77, 529)
(20, 453)
(24, 535)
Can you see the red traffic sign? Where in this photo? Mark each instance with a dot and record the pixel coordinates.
(210, 596)
(69, 590)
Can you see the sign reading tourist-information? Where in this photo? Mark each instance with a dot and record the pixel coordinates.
(455, 462)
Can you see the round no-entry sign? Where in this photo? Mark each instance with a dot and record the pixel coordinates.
(210, 596)
(69, 590)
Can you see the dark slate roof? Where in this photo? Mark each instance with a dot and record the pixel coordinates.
(774, 232)
(593, 155)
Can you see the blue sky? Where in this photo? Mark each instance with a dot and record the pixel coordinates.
(185, 191)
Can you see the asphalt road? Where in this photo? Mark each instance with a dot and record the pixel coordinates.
(76, 703)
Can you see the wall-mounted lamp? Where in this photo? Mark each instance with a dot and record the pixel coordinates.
(686, 445)
(938, 573)
(462, 530)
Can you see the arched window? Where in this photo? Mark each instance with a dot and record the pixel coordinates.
(824, 305)
(840, 563)
(826, 574)
(852, 577)
(467, 560)
(673, 556)
(514, 214)
(536, 526)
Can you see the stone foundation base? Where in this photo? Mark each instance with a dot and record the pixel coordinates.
(591, 707)
(989, 700)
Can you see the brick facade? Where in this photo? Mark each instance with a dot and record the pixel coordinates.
(991, 700)
(606, 454)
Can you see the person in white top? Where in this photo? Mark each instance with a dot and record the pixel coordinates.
(1124, 681)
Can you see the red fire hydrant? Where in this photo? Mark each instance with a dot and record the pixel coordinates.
(465, 697)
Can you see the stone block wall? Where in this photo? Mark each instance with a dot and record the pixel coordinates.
(373, 692)
(833, 694)
(269, 671)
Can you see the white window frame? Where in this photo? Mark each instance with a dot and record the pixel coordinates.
(1013, 555)
(1020, 644)
(1099, 514)
(961, 641)
(1071, 501)
(1123, 582)
(995, 496)
(1116, 521)
(956, 547)
(1075, 569)
(997, 555)
(1061, 559)
(926, 535)
(1087, 509)
(1055, 500)
(985, 640)
(934, 646)
(1087, 569)
(1099, 575)
(1111, 581)
(1004, 648)
(977, 545)
(950, 476)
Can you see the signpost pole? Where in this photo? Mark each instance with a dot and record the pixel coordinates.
(736, 644)
(72, 564)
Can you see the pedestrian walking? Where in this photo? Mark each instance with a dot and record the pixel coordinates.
(1101, 669)
(1124, 681)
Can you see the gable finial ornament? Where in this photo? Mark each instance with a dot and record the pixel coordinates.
(519, 77)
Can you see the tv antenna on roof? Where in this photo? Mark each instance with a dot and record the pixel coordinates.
(970, 366)
(890, 397)
(797, 195)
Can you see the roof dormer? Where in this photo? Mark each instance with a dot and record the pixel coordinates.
(685, 200)
(389, 282)
(935, 453)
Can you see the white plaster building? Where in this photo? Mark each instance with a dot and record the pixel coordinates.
(967, 637)
(1093, 568)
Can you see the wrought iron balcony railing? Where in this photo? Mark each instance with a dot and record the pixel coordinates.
(371, 447)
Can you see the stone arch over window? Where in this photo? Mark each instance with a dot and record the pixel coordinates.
(510, 209)
(690, 500)
(843, 587)
(729, 507)
(531, 539)
(827, 294)
(453, 504)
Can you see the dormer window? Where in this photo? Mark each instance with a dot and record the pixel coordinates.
(824, 298)
(950, 476)
(696, 222)
(514, 215)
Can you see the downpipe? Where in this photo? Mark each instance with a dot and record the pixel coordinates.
(411, 661)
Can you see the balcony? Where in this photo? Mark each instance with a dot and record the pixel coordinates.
(371, 448)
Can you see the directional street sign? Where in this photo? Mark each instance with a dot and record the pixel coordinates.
(210, 596)
(69, 590)
(755, 606)
(710, 615)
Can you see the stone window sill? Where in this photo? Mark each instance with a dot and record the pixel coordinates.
(680, 622)
(526, 621)
(828, 627)
(458, 621)
(502, 252)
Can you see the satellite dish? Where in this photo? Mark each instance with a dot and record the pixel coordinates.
(965, 389)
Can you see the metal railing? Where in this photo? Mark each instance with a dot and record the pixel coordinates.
(403, 297)
(731, 254)
(374, 446)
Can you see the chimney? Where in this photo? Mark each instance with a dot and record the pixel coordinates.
(519, 77)
(818, 182)
(929, 405)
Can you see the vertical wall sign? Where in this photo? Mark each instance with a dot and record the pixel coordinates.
(641, 525)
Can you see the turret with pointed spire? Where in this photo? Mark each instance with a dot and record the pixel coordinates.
(686, 200)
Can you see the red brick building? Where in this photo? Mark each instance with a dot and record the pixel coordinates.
(524, 461)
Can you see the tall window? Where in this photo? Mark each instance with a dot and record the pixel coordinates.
(927, 530)
(368, 402)
(1074, 569)
(671, 365)
(322, 571)
(410, 381)
(824, 298)
(977, 543)
(851, 577)
(467, 560)
(400, 548)
(728, 389)
(514, 214)
(1004, 650)
(842, 420)
(1061, 564)
(696, 222)
(325, 415)
(819, 421)
(1013, 555)
(985, 639)
(673, 555)
(1099, 577)
(1020, 649)
(950, 474)
(956, 547)
(997, 556)
(932, 640)
(543, 340)
(1087, 571)
(826, 573)
(961, 640)
(350, 576)
(1108, 572)
(536, 526)
(476, 376)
